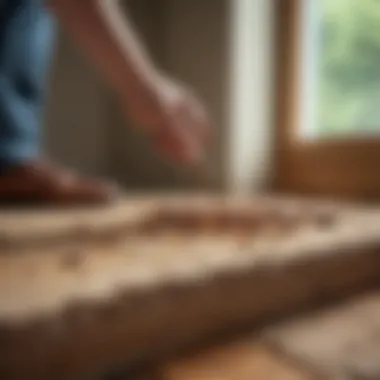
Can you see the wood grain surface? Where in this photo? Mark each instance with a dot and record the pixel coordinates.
(71, 308)
(23, 228)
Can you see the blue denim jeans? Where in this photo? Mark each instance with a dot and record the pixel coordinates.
(26, 36)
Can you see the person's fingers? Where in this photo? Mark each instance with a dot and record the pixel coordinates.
(172, 147)
(168, 149)
(184, 130)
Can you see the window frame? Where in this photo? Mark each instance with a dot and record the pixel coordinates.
(338, 167)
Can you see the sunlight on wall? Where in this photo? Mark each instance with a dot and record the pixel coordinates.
(250, 117)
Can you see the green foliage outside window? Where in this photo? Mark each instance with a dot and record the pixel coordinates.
(348, 78)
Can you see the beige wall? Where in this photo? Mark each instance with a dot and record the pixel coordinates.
(191, 40)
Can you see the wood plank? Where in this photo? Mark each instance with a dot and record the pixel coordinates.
(41, 227)
(65, 309)
(25, 228)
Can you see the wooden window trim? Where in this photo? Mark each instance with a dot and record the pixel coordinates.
(348, 168)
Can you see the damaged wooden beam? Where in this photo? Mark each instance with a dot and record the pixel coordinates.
(72, 308)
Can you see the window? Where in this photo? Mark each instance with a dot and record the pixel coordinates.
(341, 68)
(328, 140)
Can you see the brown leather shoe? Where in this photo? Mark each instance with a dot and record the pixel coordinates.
(44, 184)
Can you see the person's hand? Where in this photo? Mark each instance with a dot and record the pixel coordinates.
(174, 119)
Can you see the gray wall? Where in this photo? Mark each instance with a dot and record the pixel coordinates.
(86, 127)
(188, 39)
(196, 50)
(77, 112)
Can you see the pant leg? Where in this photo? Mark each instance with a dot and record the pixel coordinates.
(26, 36)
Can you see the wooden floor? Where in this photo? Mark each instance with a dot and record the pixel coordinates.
(339, 342)
(237, 361)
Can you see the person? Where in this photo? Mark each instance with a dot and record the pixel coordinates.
(169, 113)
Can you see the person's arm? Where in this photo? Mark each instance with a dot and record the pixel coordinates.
(175, 119)
(104, 32)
